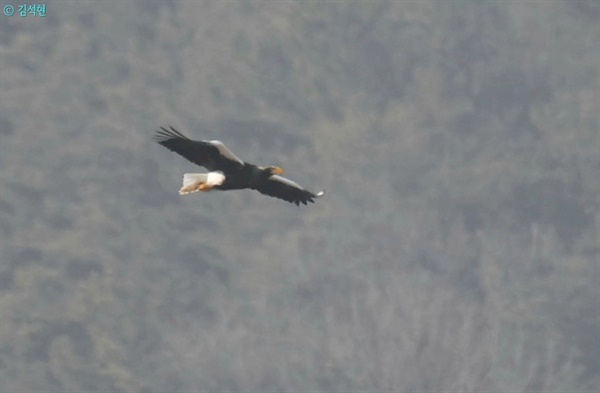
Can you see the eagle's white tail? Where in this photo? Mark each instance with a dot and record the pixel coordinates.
(194, 182)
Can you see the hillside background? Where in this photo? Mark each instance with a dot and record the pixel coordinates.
(456, 250)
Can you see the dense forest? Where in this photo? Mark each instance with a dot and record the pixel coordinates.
(456, 249)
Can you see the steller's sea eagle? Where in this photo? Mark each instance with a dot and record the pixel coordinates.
(227, 172)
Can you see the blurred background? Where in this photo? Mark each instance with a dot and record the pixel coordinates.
(456, 248)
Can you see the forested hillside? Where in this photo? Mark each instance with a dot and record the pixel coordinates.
(456, 249)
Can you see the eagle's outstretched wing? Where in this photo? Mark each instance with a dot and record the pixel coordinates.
(283, 188)
(213, 155)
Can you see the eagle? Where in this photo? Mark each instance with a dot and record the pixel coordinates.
(227, 172)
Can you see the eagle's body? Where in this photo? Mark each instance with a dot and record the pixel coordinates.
(227, 172)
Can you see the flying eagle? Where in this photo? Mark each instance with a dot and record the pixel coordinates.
(227, 172)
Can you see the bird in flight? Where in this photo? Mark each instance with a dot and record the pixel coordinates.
(227, 172)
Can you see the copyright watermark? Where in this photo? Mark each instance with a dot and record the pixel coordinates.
(9, 10)
(25, 10)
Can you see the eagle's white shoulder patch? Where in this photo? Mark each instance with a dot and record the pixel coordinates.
(225, 152)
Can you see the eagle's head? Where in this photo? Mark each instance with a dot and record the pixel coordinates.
(275, 170)
(272, 170)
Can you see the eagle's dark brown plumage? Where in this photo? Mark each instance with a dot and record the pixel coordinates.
(227, 172)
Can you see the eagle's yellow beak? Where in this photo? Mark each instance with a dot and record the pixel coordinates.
(277, 170)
